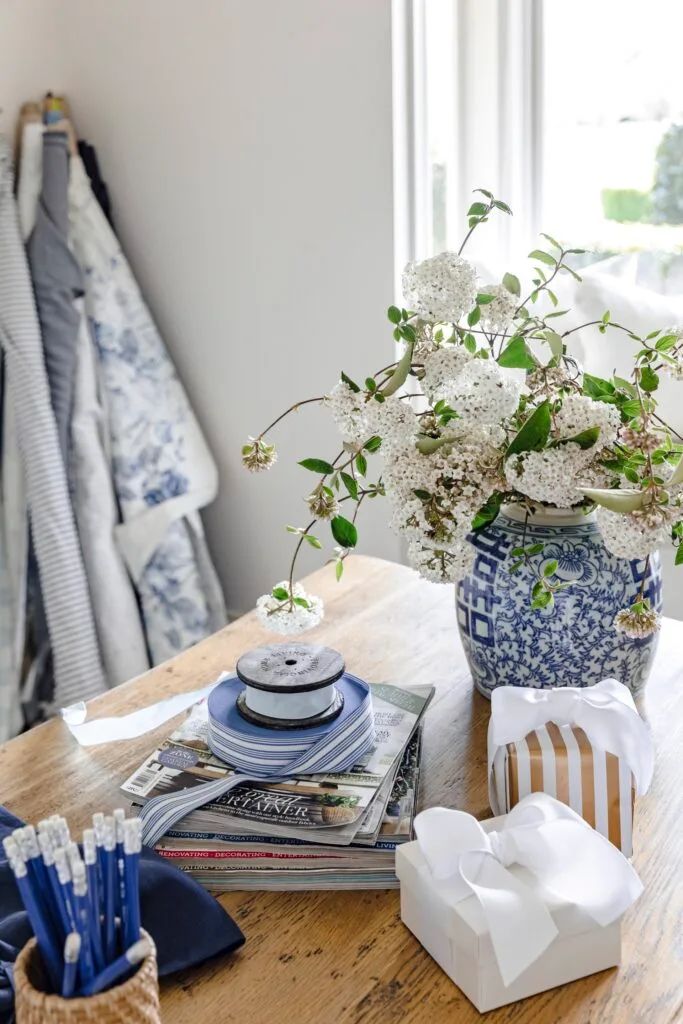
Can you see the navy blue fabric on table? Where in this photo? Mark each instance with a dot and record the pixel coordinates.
(187, 924)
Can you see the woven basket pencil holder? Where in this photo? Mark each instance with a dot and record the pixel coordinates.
(136, 1001)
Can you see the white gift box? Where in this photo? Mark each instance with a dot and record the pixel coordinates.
(455, 933)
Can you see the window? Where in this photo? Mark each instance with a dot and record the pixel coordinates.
(571, 111)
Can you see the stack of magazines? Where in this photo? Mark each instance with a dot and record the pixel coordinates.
(313, 832)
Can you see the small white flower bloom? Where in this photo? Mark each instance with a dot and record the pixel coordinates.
(580, 413)
(549, 475)
(322, 503)
(484, 393)
(442, 369)
(285, 617)
(628, 535)
(439, 565)
(637, 624)
(442, 289)
(349, 412)
(393, 420)
(258, 456)
(498, 315)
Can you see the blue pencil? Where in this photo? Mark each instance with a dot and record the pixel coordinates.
(132, 845)
(66, 890)
(116, 970)
(110, 889)
(72, 949)
(53, 880)
(86, 966)
(90, 858)
(40, 926)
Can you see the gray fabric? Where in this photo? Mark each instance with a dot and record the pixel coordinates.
(57, 282)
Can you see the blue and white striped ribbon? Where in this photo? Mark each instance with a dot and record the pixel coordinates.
(259, 754)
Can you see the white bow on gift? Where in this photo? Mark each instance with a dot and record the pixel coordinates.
(605, 712)
(568, 858)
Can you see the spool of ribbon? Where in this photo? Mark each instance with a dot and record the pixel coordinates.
(566, 856)
(260, 754)
(605, 712)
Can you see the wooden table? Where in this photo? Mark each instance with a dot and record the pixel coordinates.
(337, 958)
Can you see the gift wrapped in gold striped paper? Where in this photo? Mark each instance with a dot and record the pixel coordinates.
(562, 761)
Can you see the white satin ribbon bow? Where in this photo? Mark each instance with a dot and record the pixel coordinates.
(605, 712)
(569, 859)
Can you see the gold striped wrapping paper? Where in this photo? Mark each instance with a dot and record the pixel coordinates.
(562, 761)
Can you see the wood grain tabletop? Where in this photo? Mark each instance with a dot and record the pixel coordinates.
(345, 957)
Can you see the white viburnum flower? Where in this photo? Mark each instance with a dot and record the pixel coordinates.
(549, 476)
(349, 412)
(276, 612)
(637, 623)
(484, 393)
(322, 504)
(442, 369)
(580, 413)
(258, 456)
(439, 565)
(498, 315)
(442, 289)
(393, 420)
(633, 536)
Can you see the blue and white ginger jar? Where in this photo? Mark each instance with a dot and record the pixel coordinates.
(573, 643)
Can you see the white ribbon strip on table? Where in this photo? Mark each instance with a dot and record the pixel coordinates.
(568, 858)
(605, 712)
(273, 757)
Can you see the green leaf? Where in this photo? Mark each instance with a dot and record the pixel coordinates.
(586, 439)
(605, 317)
(679, 554)
(313, 541)
(544, 257)
(631, 475)
(516, 565)
(517, 355)
(361, 464)
(317, 465)
(478, 210)
(470, 343)
(512, 284)
(370, 384)
(422, 495)
(596, 387)
(373, 444)
(483, 299)
(280, 594)
(569, 270)
(543, 600)
(344, 532)
(352, 384)
(500, 205)
(538, 589)
(339, 569)
(302, 602)
(534, 433)
(484, 192)
(667, 342)
(427, 445)
(516, 552)
(351, 485)
(549, 238)
(488, 512)
(474, 317)
(551, 568)
(630, 408)
(556, 344)
(400, 375)
(649, 380)
(394, 314)
(535, 549)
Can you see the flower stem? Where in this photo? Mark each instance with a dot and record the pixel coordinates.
(292, 408)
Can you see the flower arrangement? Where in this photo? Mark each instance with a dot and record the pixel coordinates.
(486, 407)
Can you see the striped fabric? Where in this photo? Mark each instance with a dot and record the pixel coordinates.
(276, 756)
(78, 670)
(562, 762)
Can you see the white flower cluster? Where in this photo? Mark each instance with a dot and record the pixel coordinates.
(393, 420)
(675, 369)
(286, 619)
(258, 456)
(348, 410)
(442, 369)
(484, 393)
(434, 498)
(439, 565)
(630, 535)
(442, 289)
(579, 413)
(498, 315)
(637, 623)
(549, 476)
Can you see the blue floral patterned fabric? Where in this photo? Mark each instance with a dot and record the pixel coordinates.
(162, 468)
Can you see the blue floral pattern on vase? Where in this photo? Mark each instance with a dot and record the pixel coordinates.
(573, 643)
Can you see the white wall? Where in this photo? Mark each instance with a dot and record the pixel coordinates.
(30, 62)
(248, 151)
